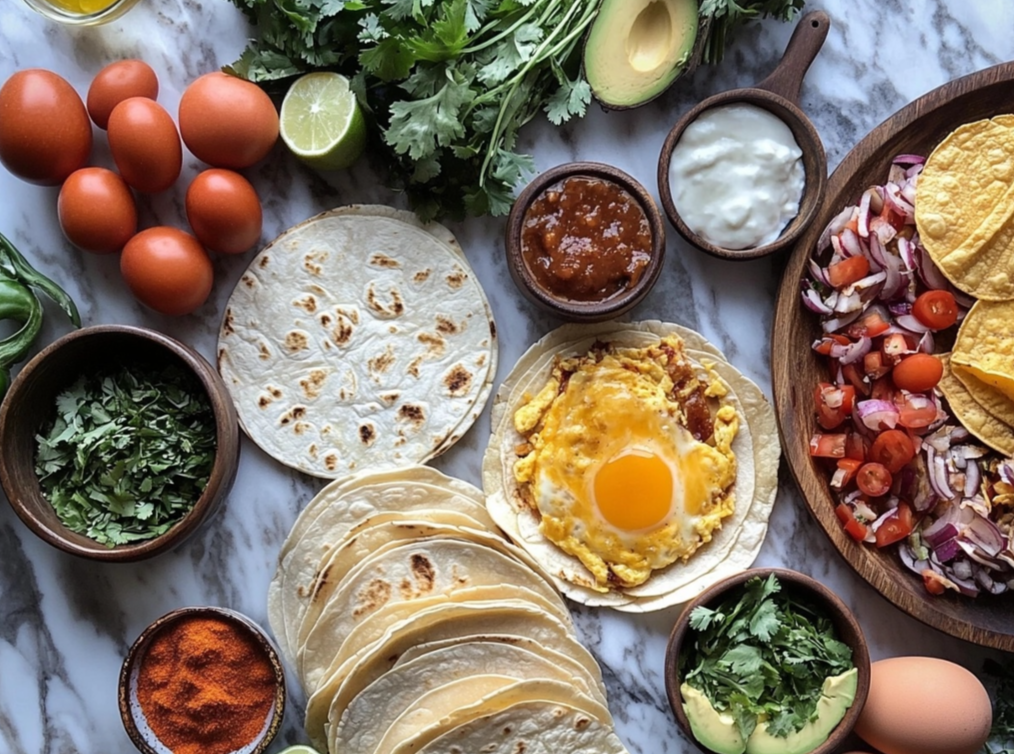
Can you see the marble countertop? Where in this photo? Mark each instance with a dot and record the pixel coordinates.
(66, 624)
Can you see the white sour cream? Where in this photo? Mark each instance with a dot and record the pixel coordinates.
(736, 176)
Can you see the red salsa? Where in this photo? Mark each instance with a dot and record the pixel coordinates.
(586, 239)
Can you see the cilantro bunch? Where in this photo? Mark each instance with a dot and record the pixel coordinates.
(728, 15)
(763, 652)
(447, 83)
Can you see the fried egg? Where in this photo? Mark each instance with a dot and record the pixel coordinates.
(617, 478)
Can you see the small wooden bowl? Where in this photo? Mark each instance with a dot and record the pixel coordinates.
(792, 582)
(779, 94)
(131, 712)
(29, 405)
(583, 311)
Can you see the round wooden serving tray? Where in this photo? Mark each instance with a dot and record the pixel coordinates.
(915, 129)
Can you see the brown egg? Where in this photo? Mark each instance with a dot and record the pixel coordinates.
(227, 122)
(145, 145)
(924, 705)
(45, 134)
(167, 269)
(224, 211)
(97, 211)
(116, 82)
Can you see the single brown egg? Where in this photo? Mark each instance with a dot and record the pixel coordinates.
(116, 82)
(167, 269)
(924, 705)
(224, 211)
(145, 145)
(97, 211)
(45, 134)
(227, 122)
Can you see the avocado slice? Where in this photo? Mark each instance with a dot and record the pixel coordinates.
(714, 730)
(836, 696)
(636, 48)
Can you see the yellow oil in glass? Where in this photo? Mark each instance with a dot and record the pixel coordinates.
(81, 6)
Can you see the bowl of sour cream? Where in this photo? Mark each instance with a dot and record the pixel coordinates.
(742, 174)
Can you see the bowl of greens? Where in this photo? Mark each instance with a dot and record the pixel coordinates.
(117, 443)
(767, 661)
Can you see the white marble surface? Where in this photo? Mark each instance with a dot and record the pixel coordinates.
(65, 624)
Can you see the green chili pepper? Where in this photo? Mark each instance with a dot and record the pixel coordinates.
(17, 302)
(28, 275)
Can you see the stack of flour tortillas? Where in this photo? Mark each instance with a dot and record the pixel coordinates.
(359, 338)
(415, 627)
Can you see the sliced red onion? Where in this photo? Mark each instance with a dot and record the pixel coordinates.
(869, 287)
(897, 279)
(938, 474)
(863, 224)
(906, 250)
(812, 301)
(864, 511)
(894, 199)
(911, 323)
(877, 251)
(882, 230)
(850, 243)
(908, 193)
(963, 299)
(895, 174)
(947, 550)
(936, 535)
(891, 512)
(878, 415)
(916, 566)
(848, 302)
(836, 324)
(838, 479)
(966, 586)
(836, 226)
(939, 441)
(929, 272)
(913, 173)
(838, 253)
(1006, 471)
(973, 478)
(900, 307)
(908, 159)
(962, 568)
(926, 343)
(984, 533)
(818, 273)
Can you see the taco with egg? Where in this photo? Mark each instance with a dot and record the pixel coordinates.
(633, 462)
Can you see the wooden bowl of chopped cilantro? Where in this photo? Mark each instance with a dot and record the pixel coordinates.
(117, 443)
(768, 661)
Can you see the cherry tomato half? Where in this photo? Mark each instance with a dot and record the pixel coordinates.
(918, 373)
(893, 449)
(848, 271)
(915, 411)
(896, 527)
(873, 479)
(936, 309)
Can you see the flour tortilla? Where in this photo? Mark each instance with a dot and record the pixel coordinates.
(415, 572)
(498, 613)
(375, 708)
(334, 513)
(359, 338)
(733, 547)
(450, 706)
(533, 726)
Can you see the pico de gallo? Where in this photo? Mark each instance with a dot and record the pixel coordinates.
(905, 473)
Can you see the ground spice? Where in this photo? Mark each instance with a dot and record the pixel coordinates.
(205, 686)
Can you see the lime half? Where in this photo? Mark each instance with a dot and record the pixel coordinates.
(321, 121)
(299, 748)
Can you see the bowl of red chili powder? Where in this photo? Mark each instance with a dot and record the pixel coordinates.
(202, 680)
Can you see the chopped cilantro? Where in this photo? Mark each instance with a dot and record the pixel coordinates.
(1001, 680)
(763, 653)
(128, 453)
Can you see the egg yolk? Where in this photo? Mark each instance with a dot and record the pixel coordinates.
(634, 490)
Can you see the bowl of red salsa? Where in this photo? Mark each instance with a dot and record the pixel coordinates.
(585, 241)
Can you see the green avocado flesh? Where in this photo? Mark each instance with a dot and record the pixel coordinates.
(636, 48)
(718, 731)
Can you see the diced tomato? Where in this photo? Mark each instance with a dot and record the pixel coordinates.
(870, 326)
(856, 447)
(847, 468)
(853, 224)
(915, 411)
(873, 479)
(936, 309)
(828, 446)
(855, 378)
(894, 348)
(874, 366)
(854, 528)
(848, 271)
(834, 404)
(895, 219)
(823, 346)
(896, 527)
(933, 582)
(918, 372)
(892, 448)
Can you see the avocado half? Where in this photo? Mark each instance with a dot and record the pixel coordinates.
(636, 49)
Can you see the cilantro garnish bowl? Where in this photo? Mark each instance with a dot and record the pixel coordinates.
(118, 443)
(767, 660)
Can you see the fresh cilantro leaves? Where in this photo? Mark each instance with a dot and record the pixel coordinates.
(128, 454)
(727, 15)
(1001, 681)
(449, 83)
(762, 652)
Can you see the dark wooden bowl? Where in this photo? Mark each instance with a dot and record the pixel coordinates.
(793, 582)
(30, 403)
(916, 128)
(779, 94)
(583, 311)
(130, 709)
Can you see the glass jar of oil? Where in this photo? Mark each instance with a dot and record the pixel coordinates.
(82, 12)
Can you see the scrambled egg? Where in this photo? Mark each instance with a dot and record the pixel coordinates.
(611, 464)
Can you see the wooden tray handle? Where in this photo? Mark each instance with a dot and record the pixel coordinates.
(806, 41)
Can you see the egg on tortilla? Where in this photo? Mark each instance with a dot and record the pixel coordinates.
(625, 465)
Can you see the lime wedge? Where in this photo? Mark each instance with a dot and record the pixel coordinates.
(321, 121)
(299, 748)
